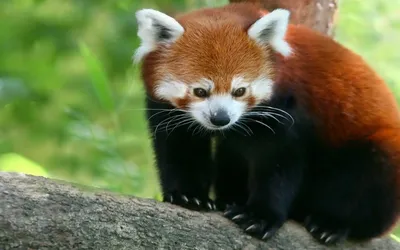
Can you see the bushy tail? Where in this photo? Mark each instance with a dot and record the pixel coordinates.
(316, 14)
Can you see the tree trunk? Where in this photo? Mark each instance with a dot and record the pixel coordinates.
(39, 213)
(319, 15)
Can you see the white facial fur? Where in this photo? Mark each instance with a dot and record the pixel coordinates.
(155, 28)
(260, 89)
(171, 90)
(271, 29)
(202, 110)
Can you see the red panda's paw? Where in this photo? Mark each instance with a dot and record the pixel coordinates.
(190, 202)
(261, 227)
(325, 232)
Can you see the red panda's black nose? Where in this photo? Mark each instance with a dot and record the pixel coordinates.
(220, 118)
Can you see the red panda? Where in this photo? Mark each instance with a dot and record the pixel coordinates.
(305, 129)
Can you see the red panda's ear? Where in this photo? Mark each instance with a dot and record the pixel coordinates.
(271, 30)
(155, 28)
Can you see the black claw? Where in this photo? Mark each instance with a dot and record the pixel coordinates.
(336, 238)
(208, 205)
(185, 199)
(312, 228)
(266, 236)
(324, 235)
(252, 228)
(309, 225)
(168, 198)
(188, 201)
(252, 224)
(330, 238)
(271, 232)
(239, 217)
(256, 228)
(233, 211)
(228, 213)
(196, 201)
(325, 232)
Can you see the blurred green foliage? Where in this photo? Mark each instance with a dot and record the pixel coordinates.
(71, 101)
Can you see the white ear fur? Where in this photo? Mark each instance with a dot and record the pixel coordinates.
(155, 27)
(271, 29)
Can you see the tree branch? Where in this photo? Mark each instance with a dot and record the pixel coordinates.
(39, 213)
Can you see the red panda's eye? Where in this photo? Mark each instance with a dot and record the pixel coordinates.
(199, 92)
(239, 92)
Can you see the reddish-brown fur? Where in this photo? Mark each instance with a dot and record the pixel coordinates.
(336, 87)
(332, 89)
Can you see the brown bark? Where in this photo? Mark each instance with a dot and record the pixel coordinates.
(319, 15)
(39, 213)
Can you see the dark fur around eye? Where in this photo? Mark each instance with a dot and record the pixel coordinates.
(200, 92)
(239, 92)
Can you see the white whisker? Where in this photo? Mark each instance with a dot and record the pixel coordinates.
(237, 131)
(193, 123)
(179, 117)
(266, 114)
(180, 124)
(162, 111)
(204, 130)
(279, 110)
(175, 120)
(145, 109)
(163, 121)
(196, 128)
(253, 120)
(243, 127)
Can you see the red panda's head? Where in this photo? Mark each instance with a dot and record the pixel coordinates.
(215, 63)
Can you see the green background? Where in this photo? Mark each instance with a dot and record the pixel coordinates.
(71, 102)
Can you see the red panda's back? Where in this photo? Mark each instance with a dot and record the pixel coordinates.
(336, 86)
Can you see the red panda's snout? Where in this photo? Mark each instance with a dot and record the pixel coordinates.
(215, 70)
(218, 111)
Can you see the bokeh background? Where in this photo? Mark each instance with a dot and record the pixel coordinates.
(71, 102)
